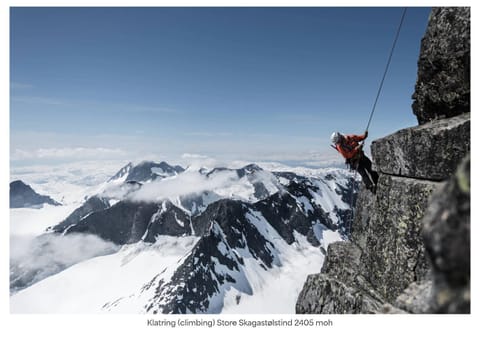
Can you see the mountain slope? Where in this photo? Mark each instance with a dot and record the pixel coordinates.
(241, 238)
(23, 196)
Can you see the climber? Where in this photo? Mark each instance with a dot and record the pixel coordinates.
(350, 148)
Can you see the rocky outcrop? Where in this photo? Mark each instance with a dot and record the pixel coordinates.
(385, 255)
(443, 83)
(145, 171)
(393, 255)
(385, 267)
(91, 205)
(23, 196)
(125, 222)
(410, 247)
(339, 289)
(430, 151)
(168, 220)
(446, 232)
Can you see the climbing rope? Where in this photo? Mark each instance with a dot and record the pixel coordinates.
(386, 67)
(373, 111)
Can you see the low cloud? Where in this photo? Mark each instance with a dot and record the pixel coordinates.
(32, 260)
(189, 182)
(193, 156)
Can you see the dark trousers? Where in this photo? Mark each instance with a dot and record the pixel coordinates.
(364, 166)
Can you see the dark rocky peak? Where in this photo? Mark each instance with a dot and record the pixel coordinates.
(216, 263)
(91, 205)
(168, 220)
(236, 221)
(287, 214)
(124, 222)
(122, 172)
(128, 221)
(148, 170)
(241, 172)
(443, 81)
(210, 268)
(251, 168)
(23, 196)
(219, 170)
(225, 212)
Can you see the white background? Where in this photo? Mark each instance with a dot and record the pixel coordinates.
(129, 335)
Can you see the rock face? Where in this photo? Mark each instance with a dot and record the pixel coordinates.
(430, 151)
(125, 222)
(393, 252)
(410, 247)
(385, 255)
(447, 238)
(91, 205)
(145, 171)
(23, 196)
(339, 289)
(385, 267)
(443, 83)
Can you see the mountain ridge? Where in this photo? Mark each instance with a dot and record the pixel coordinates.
(23, 196)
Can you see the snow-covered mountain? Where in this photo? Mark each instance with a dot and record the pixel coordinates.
(23, 196)
(145, 171)
(197, 240)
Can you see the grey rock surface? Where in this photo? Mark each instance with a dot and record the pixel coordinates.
(415, 298)
(443, 81)
(168, 220)
(23, 196)
(430, 151)
(394, 254)
(339, 289)
(91, 205)
(385, 255)
(446, 232)
(125, 222)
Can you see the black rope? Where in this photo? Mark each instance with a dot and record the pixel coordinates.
(373, 111)
(386, 68)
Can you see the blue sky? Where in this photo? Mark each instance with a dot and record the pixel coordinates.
(230, 83)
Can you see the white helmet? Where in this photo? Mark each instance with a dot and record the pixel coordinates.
(335, 137)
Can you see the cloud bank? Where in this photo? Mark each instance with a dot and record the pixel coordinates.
(38, 258)
(189, 182)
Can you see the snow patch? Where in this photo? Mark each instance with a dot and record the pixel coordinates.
(90, 285)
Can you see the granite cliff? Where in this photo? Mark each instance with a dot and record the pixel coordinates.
(410, 247)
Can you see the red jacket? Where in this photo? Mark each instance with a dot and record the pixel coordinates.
(349, 145)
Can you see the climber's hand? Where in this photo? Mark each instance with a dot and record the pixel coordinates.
(366, 134)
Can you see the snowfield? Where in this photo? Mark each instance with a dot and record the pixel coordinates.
(94, 285)
(83, 273)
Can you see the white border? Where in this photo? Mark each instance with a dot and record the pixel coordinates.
(129, 335)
